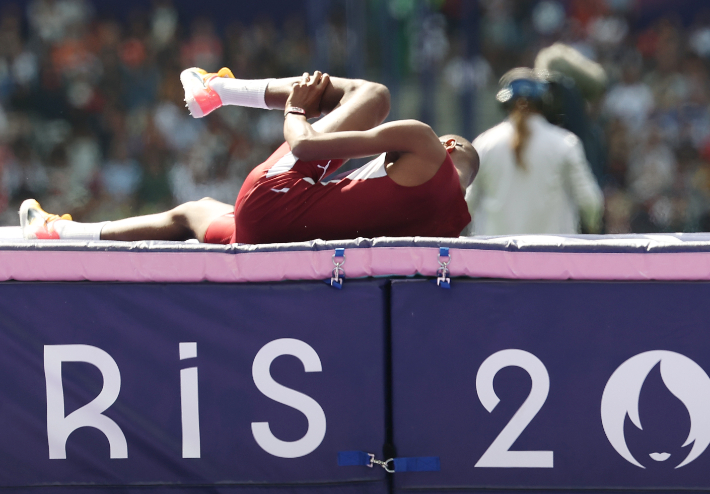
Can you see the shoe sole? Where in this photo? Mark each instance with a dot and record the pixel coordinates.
(24, 208)
(191, 80)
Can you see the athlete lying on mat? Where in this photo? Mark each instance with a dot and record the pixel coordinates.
(414, 187)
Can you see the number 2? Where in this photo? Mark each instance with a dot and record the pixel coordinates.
(498, 453)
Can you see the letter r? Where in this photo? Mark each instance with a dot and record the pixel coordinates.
(60, 427)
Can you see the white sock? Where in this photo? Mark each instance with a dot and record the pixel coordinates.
(241, 92)
(79, 231)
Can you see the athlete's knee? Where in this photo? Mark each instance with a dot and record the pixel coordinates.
(180, 215)
(381, 97)
(374, 89)
(375, 96)
(191, 215)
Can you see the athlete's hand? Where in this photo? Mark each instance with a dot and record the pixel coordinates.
(307, 93)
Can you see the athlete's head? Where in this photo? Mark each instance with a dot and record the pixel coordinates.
(464, 156)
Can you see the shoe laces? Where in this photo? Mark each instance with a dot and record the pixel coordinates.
(223, 72)
(54, 217)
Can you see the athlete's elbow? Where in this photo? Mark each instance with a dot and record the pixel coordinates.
(303, 148)
(297, 147)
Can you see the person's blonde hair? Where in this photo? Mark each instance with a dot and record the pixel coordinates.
(521, 132)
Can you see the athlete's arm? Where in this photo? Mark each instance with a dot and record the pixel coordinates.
(308, 144)
(417, 148)
(416, 151)
(404, 136)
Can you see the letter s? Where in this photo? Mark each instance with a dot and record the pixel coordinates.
(304, 404)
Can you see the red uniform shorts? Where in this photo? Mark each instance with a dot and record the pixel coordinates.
(221, 230)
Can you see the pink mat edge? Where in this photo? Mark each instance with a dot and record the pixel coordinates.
(317, 265)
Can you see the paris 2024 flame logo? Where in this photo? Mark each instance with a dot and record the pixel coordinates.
(685, 379)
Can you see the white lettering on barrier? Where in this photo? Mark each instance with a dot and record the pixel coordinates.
(60, 427)
(498, 453)
(683, 376)
(189, 404)
(287, 396)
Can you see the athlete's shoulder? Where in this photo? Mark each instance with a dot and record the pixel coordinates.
(411, 132)
(413, 129)
(416, 138)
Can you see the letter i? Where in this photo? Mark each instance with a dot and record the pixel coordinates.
(189, 404)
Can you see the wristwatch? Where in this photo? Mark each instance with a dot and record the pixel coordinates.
(296, 110)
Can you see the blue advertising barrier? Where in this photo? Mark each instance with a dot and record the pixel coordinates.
(551, 364)
(205, 387)
(552, 386)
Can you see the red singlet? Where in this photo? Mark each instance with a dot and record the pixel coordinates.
(284, 200)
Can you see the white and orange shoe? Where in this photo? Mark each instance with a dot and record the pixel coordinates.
(36, 223)
(200, 98)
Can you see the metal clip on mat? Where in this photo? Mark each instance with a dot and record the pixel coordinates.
(393, 465)
(443, 280)
(338, 276)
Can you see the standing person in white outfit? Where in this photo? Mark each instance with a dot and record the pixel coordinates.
(533, 176)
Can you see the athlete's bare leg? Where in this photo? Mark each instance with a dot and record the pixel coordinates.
(189, 220)
(348, 104)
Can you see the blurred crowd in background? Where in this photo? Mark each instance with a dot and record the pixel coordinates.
(92, 119)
